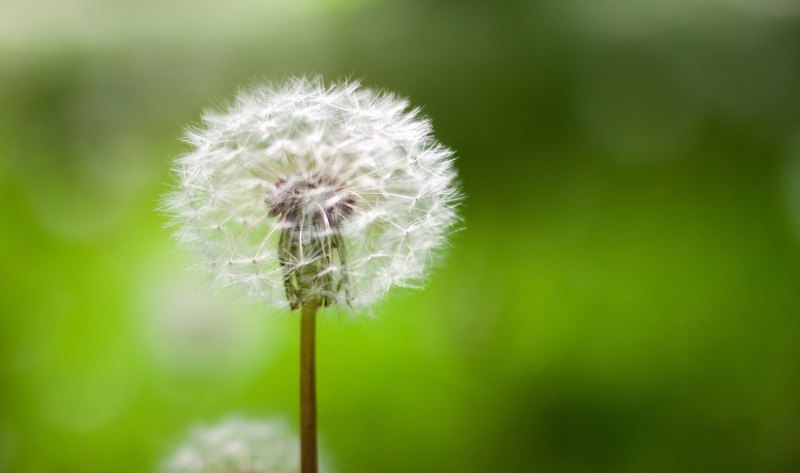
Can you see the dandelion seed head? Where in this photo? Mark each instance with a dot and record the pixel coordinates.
(237, 446)
(306, 190)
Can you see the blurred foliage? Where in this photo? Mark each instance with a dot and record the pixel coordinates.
(623, 296)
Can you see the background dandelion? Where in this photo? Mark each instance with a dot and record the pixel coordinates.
(237, 446)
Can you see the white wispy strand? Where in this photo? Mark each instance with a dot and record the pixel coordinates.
(237, 446)
(340, 189)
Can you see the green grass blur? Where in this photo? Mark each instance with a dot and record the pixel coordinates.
(624, 295)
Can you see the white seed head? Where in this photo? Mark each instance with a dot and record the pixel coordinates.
(306, 190)
(237, 446)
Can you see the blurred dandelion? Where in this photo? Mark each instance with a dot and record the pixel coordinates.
(237, 446)
(315, 195)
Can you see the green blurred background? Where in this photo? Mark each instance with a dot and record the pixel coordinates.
(624, 295)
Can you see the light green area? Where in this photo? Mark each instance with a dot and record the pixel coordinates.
(623, 296)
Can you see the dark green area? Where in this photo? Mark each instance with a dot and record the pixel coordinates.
(624, 295)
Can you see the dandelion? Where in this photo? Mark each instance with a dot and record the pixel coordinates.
(305, 192)
(237, 446)
(314, 195)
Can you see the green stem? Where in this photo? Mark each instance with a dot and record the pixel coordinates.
(308, 388)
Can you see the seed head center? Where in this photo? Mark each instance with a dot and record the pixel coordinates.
(311, 248)
(311, 201)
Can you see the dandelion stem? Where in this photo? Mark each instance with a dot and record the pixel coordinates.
(308, 388)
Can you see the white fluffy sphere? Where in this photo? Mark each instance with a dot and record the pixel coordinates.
(237, 446)
(306, 190)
